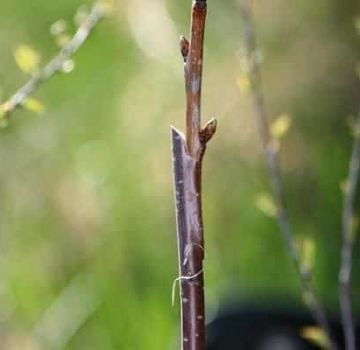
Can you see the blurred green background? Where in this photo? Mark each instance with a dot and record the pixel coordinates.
(87, 230)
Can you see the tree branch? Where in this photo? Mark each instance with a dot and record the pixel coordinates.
(348, 241)
(193, 56)
(96, 13)
(188, 153)
(272, 160)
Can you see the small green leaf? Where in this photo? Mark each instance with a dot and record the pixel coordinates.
(81, 15)
(5, 108)
(280, 126)
(58, 28)
(107, 6)
(34, 105)
(344, 185)
(62, 39)
(307, 249)
(266, 204)
(316, 335)
(243, 83)
(27, 59)
(68, 66)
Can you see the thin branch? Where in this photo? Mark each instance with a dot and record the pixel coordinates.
(272, 159)
(193, 62)
(188, 153)
(97, 12)
(348, 241)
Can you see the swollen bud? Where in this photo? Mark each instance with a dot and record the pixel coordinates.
(184, 47)
(208, 131)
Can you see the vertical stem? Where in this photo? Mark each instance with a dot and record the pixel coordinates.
(193, 62)
(272, 160)
(348, 242)
(190, 244)
(187, 159)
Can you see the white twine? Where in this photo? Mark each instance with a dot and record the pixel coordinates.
(180, 278)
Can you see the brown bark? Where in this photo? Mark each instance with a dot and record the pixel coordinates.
(188, 153)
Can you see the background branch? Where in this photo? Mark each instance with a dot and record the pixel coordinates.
(97, 12)
(271, 154)
(348, 241)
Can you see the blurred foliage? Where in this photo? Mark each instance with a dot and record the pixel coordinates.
(87, 247)
(27, 59)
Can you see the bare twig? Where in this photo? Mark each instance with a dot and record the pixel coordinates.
(271, 154)
(187, 159)
(348, 241)
(97, 12)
